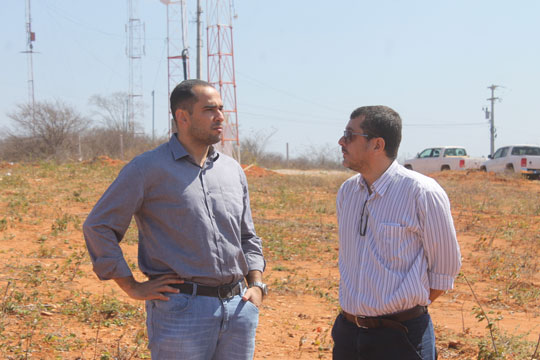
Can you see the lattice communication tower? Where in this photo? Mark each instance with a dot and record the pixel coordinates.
(177, 46)
(220, 69)
(135, 51)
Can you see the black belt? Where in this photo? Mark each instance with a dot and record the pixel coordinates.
(393, 321)
(222, 292)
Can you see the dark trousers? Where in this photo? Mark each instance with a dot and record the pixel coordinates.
(354, 343)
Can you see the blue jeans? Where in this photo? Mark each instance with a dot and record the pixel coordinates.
(191, 327)
(352, 342)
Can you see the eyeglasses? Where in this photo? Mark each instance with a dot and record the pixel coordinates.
(363, 222)
(348, 135)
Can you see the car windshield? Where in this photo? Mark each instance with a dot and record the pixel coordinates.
(526, 150)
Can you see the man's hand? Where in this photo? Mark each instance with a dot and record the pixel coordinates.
(151, 289)
(255, 295)
(434, 293)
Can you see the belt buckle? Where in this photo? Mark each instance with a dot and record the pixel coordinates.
(226, 294)
(357, 324)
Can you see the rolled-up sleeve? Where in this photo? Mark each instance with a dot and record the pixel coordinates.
(251, 243)
(108, 221)
(440, 242)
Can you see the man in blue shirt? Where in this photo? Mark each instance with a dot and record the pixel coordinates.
(197, 241)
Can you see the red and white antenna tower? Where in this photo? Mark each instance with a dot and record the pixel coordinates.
(30, 38)
(221, 69)
(177, 46)
(134, 51)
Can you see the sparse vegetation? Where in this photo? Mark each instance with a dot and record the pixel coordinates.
(53, 306)
(55, 131)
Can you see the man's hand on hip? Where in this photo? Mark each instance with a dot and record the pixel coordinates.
(151, 289)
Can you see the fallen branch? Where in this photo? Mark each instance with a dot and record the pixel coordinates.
(490, 324)
(3, 309)
(535, 350)
(99, 322)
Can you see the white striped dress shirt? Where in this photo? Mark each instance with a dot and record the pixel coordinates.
(409, 245)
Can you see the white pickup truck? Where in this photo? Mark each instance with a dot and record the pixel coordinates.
(524, 159)
(442, 158)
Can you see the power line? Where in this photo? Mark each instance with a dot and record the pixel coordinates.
(296, 114)
(283, 118)
(445, 124)
(270, 87)
(275, 117)
(52, 9)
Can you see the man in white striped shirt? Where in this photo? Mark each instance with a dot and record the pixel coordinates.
(398, 248)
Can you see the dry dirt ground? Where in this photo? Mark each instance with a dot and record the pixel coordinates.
(53, 307)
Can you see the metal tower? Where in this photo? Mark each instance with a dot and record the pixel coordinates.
(135, 51)
(177, 46)
(221, 69)
(30, 38)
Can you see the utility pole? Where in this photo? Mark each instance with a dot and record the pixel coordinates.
(153, 117)
(287, 151)
(80, 149)
(491, 116)
(199, 40)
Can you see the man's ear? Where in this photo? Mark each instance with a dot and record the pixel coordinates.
(379, 144)
(180, 115)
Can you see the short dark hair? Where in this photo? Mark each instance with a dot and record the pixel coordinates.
(381, 121)
(183, 96)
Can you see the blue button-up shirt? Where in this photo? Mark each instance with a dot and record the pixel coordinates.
(195, 222)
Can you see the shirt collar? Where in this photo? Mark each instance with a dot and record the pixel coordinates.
(213, 154)
(383, 182)
(177, 148)
(180, 152)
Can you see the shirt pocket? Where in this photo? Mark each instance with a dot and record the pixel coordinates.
(393, 242)
(233, 197)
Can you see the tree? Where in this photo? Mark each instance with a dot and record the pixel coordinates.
(114, 135)
(326, 156)
(111, 111)
(253, 147)
(50, 129)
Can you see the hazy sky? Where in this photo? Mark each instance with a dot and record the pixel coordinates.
(303, 66)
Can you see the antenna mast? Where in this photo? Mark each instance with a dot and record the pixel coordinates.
(30, 38)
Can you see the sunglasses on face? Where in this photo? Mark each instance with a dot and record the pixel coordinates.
(348, 135)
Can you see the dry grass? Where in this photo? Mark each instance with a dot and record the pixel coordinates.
(53, 306)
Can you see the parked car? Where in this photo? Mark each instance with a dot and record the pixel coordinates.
(442, 158)
(523, 159)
